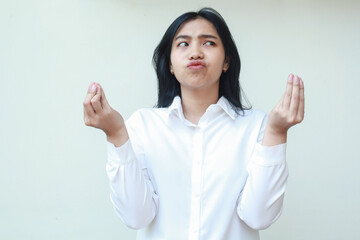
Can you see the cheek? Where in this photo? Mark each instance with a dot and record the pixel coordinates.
(222, 61)
(175, 63)
(172, 59)
(219, 64)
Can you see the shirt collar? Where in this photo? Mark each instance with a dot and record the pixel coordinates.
(223, 103)
(227, 107)
(175, 107)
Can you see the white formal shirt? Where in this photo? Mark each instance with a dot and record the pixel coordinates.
(175, 180)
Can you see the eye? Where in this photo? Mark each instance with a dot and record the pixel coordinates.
(183, 44)
(209, 43)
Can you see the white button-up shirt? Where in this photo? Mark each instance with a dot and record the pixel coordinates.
(175, 180)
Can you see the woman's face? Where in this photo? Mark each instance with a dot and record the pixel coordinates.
(197, 56)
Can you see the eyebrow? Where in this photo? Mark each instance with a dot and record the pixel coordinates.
(200, 36)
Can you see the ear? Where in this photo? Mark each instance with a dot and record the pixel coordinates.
(226, 64)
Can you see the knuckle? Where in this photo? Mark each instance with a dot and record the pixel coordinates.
(278, 110)
(87, 121)
(283, 114)
(291, 119)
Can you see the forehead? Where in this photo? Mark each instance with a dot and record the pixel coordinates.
(198, 26)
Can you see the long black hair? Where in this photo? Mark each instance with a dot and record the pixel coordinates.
(169, 87)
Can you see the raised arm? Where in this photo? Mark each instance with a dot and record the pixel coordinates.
(131, 191)
(262, 198)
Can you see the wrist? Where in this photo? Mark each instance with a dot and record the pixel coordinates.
(117, 137)
(274, 137)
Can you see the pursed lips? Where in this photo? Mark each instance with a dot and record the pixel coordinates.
(196, 64)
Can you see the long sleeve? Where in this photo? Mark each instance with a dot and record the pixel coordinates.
(261, 200)
(177, 180)
(131, 191)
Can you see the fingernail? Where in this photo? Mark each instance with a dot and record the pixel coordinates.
(290, 78)
(296, 79)
(301, 83)
(93, 88)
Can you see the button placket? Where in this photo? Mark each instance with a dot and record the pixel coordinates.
(196, 180)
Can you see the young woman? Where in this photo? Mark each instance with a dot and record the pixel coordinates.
(200, 165)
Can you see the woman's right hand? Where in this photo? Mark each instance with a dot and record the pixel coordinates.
(99, 114)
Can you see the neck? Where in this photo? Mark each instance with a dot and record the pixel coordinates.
(195, 103)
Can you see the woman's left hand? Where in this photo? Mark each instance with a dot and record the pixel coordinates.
(287, 113)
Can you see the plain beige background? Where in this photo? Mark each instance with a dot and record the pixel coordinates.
(53, 183)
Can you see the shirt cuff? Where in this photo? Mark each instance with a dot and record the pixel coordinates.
(120, 155)
(269, 155)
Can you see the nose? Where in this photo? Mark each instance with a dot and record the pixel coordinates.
(196, 52)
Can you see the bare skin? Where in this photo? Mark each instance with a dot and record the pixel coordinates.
(287, 113)
(197, 42)
(99, 114)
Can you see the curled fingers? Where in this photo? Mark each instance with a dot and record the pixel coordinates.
(104, 103)
(301, 110)
(295, 94)
(95, 101)
(89, 111)
(288, 92)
